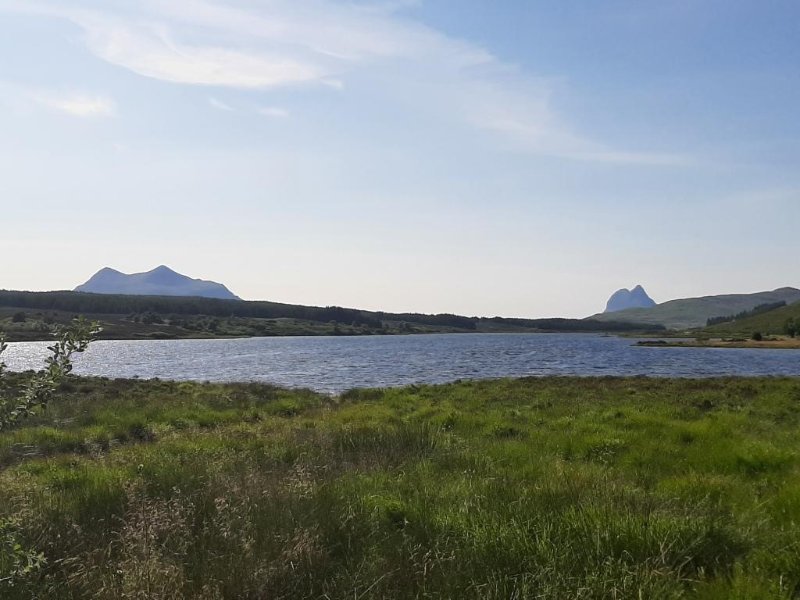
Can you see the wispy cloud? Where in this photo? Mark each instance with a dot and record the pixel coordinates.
(265, 45)
(76, 104)
(220, 105)
(274, 112)
(152, 51)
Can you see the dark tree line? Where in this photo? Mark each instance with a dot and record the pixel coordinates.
(576, 325)
(154, 307)
(112, 304)
(760, 309)
(440, 320)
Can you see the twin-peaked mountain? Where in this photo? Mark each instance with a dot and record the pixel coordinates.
(161, 281)
(624, 299)
(688, 313)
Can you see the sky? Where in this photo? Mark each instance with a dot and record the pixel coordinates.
(482, 157)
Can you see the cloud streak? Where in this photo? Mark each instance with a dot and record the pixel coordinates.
(273, 44)
(152, 51)
(220, 105)
(76, 104)
(274, 112)
(73, 103)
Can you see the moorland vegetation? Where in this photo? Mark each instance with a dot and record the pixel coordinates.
(551, 487)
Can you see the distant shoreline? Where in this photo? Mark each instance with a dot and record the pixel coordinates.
(157, 336)
(768, 344)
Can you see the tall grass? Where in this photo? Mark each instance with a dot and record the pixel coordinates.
(533, 488)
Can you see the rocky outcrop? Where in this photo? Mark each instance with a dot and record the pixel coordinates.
(624, 299)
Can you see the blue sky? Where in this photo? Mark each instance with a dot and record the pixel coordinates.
(518, 158)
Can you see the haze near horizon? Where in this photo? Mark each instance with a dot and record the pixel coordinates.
(526, 160)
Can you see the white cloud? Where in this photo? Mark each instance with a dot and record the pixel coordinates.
(274, 112)
(322, 29)
(75, 104)
(151, 51)
(22, 98)
(268, 44)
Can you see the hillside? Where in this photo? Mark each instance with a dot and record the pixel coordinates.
(690, 313)
(161, 281)
(31, 315)
(768, 323)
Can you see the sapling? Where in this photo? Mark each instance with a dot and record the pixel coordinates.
(36, 393)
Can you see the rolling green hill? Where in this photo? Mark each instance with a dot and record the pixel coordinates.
(768, 323)
(691, 313)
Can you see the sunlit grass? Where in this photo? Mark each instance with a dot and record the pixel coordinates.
(554, 488)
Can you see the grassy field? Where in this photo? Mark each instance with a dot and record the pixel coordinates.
(532, 488)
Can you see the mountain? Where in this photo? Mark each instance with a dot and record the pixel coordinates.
(624, 299)
(694, 312)
(161, 281)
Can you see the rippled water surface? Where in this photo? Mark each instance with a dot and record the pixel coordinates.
(334, 364)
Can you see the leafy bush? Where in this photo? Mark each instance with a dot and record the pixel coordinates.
(16, 561)
(37, 392)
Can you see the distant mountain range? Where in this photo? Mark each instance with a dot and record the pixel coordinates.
(626, 310)
(624, 299)
(695, 312)
(161, 281)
